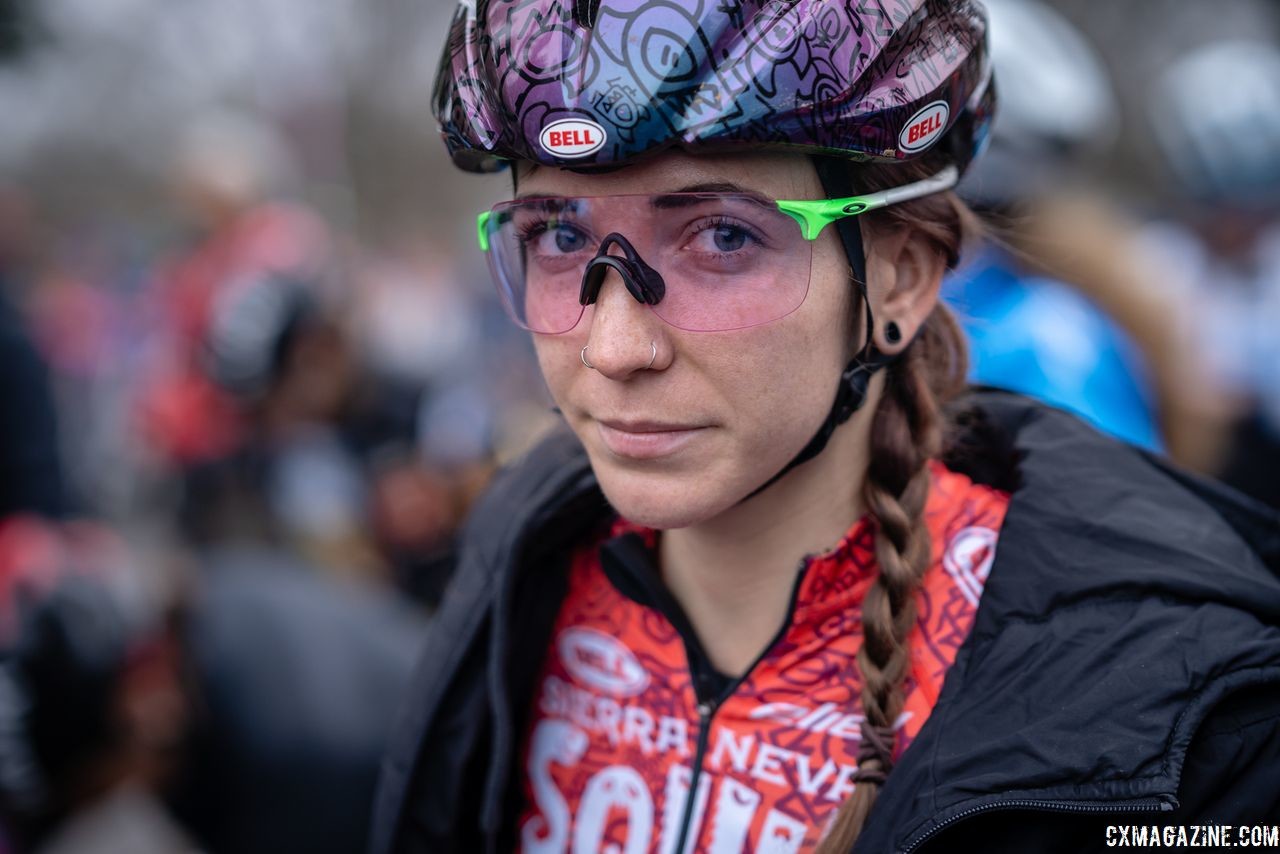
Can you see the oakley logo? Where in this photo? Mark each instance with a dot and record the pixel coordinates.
(569, 138)
(854, 208)
(601, 661)
(923, 129)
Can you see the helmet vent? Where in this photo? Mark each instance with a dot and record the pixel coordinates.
(584, 12)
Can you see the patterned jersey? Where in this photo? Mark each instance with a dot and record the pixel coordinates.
(627, 720)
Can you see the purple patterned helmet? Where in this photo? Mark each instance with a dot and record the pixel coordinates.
(586, 83)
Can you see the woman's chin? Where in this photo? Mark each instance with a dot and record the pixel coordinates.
(662, 499)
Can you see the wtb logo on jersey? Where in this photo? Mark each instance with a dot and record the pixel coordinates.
(924, 128)
(601, 661)
(569, 138)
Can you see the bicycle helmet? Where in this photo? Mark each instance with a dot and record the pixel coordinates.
(580, 83)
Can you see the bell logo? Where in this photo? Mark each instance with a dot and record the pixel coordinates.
(924, 128)
(570, 138)
(601, 661)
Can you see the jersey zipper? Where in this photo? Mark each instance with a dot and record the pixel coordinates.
(707, 705)
(706, 708)
(1146, 805)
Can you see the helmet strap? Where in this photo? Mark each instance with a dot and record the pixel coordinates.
(837, 183)
(851, 392)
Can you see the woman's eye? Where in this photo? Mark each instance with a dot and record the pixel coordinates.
(729, 238)
(724, 238)
(556, 239)
(569, 240)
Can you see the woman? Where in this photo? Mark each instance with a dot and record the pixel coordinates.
(723, 612)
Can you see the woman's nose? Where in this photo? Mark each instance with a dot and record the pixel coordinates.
(624, 334)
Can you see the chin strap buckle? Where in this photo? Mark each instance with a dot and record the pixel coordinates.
(852, 391)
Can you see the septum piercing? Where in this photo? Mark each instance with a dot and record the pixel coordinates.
(583, 356)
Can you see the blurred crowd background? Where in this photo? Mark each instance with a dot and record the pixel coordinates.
(253, 372)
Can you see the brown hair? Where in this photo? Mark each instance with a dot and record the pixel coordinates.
(908, 429)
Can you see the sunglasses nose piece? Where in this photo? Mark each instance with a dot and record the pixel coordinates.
(643, 282)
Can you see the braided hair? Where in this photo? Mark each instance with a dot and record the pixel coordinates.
(908, 430)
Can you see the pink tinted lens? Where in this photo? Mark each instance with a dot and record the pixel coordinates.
(728, 260)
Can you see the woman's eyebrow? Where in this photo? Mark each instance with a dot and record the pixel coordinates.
(688, 195)
(671, 199)
(551, 204)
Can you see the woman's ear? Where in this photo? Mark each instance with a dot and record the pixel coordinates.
(904, 275)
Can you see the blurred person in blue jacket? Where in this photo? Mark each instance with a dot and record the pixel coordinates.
(1031, 331)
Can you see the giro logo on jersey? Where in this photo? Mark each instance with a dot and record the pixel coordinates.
(968, 559)
(570, 138)
(924, 128)
(601, 661)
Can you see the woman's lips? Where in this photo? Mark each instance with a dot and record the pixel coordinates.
(645, 440)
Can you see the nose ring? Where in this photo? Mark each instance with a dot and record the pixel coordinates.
(652, 358)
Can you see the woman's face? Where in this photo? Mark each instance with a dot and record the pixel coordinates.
(717, 414)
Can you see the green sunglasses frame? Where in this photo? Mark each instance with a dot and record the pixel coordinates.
(815, 215)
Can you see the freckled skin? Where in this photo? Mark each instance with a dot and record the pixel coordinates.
(762, 391)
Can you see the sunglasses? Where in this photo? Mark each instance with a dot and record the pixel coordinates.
(702, 261)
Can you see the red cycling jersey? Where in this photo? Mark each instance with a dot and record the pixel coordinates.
(629, 716)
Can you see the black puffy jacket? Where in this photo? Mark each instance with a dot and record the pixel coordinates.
(1123, 667)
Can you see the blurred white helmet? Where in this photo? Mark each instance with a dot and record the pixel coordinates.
(1215, 114)
(1056, 102)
